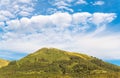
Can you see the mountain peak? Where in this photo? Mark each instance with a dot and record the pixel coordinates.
(56, 63)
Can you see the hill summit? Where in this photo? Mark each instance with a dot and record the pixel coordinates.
(55, 63)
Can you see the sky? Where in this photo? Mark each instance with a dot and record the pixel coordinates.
(85, 26)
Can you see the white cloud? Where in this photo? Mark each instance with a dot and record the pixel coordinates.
(81, 17)
(63, 8)
(59, 19)
(63, 5)
(99, 3)
(101, 18)
(3, 18)
(81, 2)
(81, 20)
(24, 1)
(11, 9)
(64, 31)
(5, 15)
(23, 13)
(1, 24)
(4, 2)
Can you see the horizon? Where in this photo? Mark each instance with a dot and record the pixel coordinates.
(90, 27)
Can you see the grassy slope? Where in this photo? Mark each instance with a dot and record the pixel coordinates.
(61, 64)
(3, 63)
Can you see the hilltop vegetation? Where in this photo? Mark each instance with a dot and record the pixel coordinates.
(55, 63)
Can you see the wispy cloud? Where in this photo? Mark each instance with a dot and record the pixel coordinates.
(99, 3)
(62, 5)
(66, 5)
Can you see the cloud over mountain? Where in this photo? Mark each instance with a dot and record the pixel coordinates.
(76, 32)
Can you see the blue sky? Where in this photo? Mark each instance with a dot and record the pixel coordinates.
(86, 26)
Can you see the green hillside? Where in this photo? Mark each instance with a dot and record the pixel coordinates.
(55, 63)
(3, 63)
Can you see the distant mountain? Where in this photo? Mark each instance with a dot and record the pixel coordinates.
(3, 63)
(55, 63)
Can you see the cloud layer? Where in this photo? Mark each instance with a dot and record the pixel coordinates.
(27, 25)
(82, 32)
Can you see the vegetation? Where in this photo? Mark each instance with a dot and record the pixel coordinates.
(54, 63)
(3, 63)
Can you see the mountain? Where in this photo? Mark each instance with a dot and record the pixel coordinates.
(3, 63)
(55, 63)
